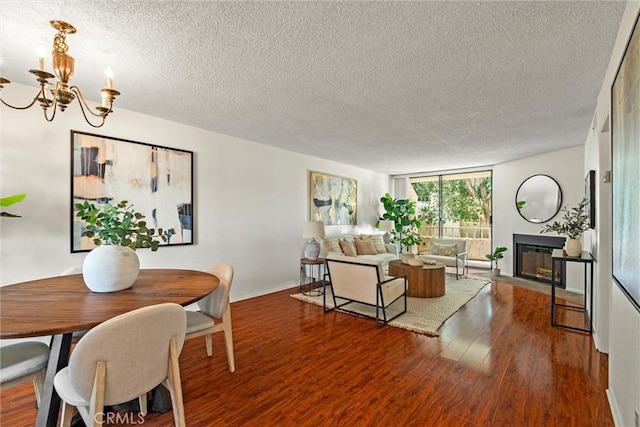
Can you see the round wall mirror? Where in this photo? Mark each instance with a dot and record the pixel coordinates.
(538, 198)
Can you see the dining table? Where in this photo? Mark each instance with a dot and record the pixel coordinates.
(61, 305)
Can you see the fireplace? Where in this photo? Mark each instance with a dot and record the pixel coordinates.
(532, 260)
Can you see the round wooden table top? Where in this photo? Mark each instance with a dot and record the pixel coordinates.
(64, 304)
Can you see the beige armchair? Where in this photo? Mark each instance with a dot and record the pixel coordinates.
(357, 280)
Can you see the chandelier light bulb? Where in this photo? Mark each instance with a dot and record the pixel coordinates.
(41, 54)
(109, 74)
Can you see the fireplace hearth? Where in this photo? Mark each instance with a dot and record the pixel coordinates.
(532, 260)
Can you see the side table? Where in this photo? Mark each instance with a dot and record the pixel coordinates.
(312, 285)
(426, 281)
(558, 256)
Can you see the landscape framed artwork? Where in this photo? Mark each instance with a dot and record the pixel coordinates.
(156, 180)
(332, 199)
(625, 159)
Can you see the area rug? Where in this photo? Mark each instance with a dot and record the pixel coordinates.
(424, 315)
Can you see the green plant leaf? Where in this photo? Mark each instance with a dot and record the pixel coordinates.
(11, 200)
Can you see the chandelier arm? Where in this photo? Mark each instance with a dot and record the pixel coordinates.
(35, 98)
(81, 99)
(87, 118)
(53, 116)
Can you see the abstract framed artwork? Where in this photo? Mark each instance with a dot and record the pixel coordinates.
(625, 156)
(332, 199)
(157, 180)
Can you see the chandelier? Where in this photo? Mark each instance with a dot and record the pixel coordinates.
(60, 94)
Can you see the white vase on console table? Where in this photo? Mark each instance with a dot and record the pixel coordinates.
(573, 247)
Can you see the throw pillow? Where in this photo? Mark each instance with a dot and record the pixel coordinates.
(443, 250)
(365, 247)
(348, 248)
(377, 240)
(330, 244)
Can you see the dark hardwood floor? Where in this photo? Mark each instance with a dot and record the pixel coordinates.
(498, 362)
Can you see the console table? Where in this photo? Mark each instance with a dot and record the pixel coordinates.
(558, 256)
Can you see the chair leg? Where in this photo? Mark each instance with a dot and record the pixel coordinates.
(67, 415)
(208, 340)
(38, 384)
(228, 339)
(96, 408)
(174, 385)
(142, 401)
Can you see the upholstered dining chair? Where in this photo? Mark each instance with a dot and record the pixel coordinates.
(23, 362)
(77, 269)
(123, 358)
(215, 306)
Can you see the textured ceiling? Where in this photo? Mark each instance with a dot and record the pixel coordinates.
(395, 87)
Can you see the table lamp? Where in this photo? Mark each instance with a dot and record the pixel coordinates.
(312, 229)
(386, 226)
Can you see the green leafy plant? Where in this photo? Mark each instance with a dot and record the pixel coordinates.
(575, 221)
(402, 212)
(496, 255)
(119, 225)
(11, 200)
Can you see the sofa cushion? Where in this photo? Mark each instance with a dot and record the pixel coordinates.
(378, 242)
(348, 248)
(365, 247)
(330, 244)
(443, 250)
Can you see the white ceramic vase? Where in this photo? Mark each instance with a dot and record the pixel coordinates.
(573, 247)
(110, 268)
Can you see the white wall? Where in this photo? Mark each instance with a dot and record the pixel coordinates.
(566, 167)
(623, 337)
(250, 199)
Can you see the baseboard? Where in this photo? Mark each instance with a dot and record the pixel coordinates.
(599, 347)
(613, 405)
(278, 288)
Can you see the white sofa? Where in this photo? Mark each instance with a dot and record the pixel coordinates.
(330, 245)
(450, 252)
(359, 280)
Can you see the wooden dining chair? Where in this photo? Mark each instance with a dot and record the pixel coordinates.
(123, 358)
(215, 306)
(24, 362)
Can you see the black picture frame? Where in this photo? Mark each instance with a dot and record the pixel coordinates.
(156, 180)
(625, 170)
(590, 197)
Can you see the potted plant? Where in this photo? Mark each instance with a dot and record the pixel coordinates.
(575, 221)
(496, 255)
(406, 226)
(117, 230)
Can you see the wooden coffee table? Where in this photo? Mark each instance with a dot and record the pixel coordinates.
(422, 282)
